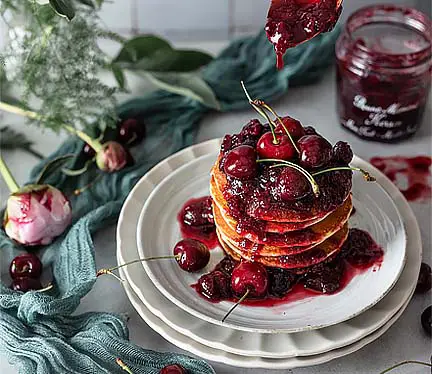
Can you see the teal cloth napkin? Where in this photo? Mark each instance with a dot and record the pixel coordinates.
(38, 331)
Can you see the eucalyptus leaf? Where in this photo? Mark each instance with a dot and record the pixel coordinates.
(63, 8)
(150, 53)
(87, 2)
(119, 75)
(185, 84)
(11, 139)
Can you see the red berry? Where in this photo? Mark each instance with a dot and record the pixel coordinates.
(315, 151)
(250, 276)
(292, 185)
(131, 131)
(283, 150)
(88, 151)
(253, 128)
(342, 152)
(194, 255)
(240, 162)
(293, 126)
(26, 265)
(173, 369)
(214, 285)
(25, 284)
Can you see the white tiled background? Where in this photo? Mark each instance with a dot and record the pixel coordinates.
(198, 20)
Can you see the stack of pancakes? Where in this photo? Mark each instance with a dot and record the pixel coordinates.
(291, 239)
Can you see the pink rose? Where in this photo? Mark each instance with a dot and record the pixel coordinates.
(36, 214)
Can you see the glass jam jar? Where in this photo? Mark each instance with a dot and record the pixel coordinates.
(384, 72)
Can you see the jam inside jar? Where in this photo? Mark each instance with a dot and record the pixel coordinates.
(384, 72)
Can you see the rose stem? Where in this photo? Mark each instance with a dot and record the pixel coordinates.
(8, 177)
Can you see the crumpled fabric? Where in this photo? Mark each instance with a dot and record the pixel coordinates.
(38, 331)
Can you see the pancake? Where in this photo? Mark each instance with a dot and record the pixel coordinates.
(276, 244)
(313, 256)
(267, 226)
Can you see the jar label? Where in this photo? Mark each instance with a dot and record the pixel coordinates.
(392, 122)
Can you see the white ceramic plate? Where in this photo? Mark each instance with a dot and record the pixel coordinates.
(158, 232)
(207, 353)
(245, 343)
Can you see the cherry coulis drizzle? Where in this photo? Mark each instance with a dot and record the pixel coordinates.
(412, 175)
(196, 221)
(358, 254)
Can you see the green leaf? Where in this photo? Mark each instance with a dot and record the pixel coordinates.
(63, 8)
(52, 166)
(119, 75)
(151, 53)
(185, 84)
(87, 2)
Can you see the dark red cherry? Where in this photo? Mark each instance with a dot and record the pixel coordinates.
(88, 151)
(282, 150)
(25, 284)
(293, 126)
(194, 255)
(342, 153)
(198, 212)
(26, 265)
(241, 163)
(292, 185)
(309, 130)
(173, 369)
(131, 131)
(315, 151)
(425, 279)
(214, 285)
(426, 320)
(250, 276)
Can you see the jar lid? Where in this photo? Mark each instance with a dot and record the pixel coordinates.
(390, 36)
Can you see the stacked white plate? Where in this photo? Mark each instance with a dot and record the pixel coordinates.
(300, 333)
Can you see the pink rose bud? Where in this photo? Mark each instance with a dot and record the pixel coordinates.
(112, 157)
(36, 214)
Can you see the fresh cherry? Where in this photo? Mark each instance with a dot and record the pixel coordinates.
(253, 128)
(315, 151)
(293, 126)
(426, 320)
(173, 369)
(131, 131)
(214, 285)
(282, 149)
(425, 279)
(193, 255)
(26, 265)
(249, 276)
(88, 151)
(25, 284)
(342, 152)
(292, 185)
(240, 162)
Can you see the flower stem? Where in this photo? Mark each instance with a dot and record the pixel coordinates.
(8, 177)
(309, 177)
(236, 304)
(95, 144)
(405, 363)
(367, 176)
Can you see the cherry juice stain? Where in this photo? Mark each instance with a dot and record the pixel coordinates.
(292, 22)
(196, 221)
(359, 254)
(412, 175)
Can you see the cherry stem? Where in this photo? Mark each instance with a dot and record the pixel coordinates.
(8, 177)
(366, 175)
(79, 191)
(309, 177)
(270, 109)
(47, 288)
(95, 144)
(120, 363)
(110, 270)
(262, 113)
(236, 304)
(405, 363)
